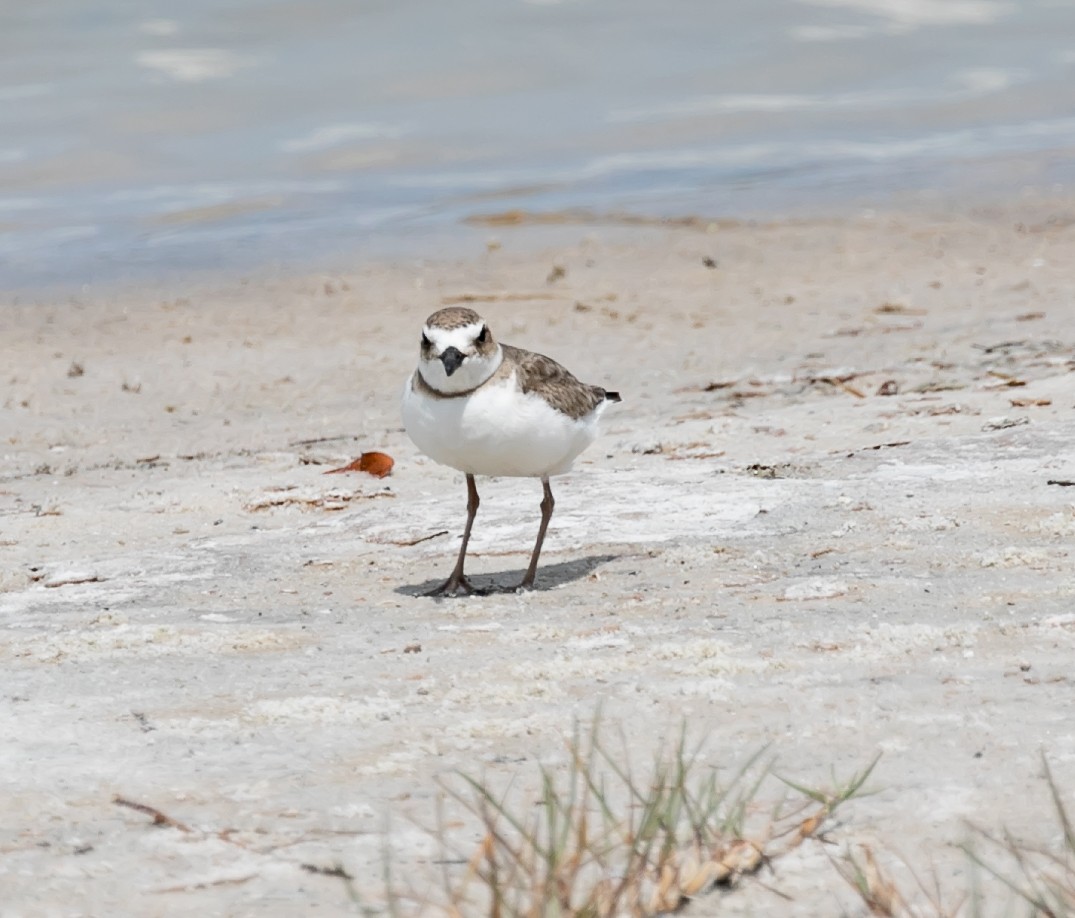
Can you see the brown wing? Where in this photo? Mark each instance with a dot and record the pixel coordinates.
(545, 377)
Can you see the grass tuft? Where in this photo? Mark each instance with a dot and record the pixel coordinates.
(1041, 878)
(600, 840)
(1027, 880)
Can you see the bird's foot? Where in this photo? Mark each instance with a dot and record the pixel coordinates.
(526, 586)
(457, 586)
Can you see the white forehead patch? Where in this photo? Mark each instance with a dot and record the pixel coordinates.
(462, 338)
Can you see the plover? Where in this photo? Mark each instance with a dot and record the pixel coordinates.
(487, 408)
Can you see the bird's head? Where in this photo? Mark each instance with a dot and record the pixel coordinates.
(458, 352)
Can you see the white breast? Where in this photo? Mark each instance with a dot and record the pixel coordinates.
(497, 430)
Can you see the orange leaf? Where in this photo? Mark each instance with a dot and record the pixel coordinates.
(376, 464)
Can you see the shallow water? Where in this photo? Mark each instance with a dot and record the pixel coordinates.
(136, 140)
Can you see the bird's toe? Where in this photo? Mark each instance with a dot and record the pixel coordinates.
(457, 586)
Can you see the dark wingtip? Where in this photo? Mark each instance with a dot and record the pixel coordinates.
(613, 397)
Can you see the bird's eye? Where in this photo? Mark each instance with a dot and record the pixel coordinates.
(483, 335)
(425, 341)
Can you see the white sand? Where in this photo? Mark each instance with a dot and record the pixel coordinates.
(195, 618)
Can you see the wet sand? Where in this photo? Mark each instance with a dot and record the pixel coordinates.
(825, 518)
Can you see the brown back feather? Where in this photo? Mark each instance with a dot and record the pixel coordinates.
(558, 386)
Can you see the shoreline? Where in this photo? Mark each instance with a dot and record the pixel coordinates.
(528, 227)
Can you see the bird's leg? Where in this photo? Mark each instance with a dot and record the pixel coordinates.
(547, 504)
(458, 582)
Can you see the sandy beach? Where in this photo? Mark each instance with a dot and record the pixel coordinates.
(832, 517)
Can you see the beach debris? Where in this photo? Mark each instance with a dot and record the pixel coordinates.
(714, 386)
(698, 449)
(877, 446)
(853, 331)
(939, 385)
(898, 309)
(1061, 482)
(75, 370)
(143, 722)
(1029, 402)
(69, 578)
(316, 440)
(889, 387)
(741, 395)
(1003, 423)
(1009, 381)
(1029, 316)
(888, 445)
(159, 818)
(407, 543)
(940, 410)
(336, 499)
(335, 871)
(840, 382)
(710, 262)
(376, 464)
(236, 837)
(1001, 346)
(558, 272)
(456, 299)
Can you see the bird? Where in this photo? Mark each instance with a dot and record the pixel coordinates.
(490, 409)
